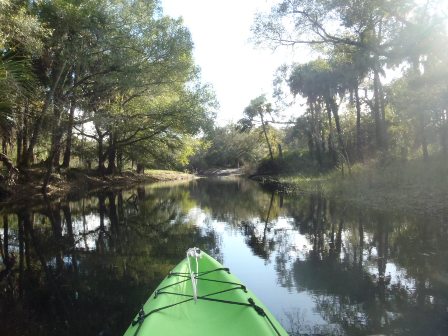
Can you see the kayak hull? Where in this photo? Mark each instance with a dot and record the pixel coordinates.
(223, 306)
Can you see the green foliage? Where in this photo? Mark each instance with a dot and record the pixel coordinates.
(229, 147)
(116, 76)
(351, 114)
(291, 162)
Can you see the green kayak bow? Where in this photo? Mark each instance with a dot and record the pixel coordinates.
(200, 297)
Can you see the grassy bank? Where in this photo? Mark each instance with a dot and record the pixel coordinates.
(417, 186)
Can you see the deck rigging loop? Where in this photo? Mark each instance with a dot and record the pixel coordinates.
(193, 275)
(207, 297)
(195, 253)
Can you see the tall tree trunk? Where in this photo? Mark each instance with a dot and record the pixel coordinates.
(140, 168)
(380, 116)
(55, 149)
(359, 143)
(120, 161)
(335, 110)
(310, 144)
(376, 110)
(424, 141)
(112, 154)
(320, 130)
(101, 166)
(330, 133)
(25, 130)
(71, 116)
(19, 139)
(315, 133)
(68, 142)
(384, 132)
(280, 153)
(12, 171)
(266, 136)
(26, 160)
(56, 136)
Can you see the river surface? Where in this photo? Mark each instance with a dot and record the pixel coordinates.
(85, 266)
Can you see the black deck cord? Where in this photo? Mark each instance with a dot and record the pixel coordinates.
(251, 303)
(159, 291)
(204, 296)
(200, 273)
(142, 316)
(261, 312)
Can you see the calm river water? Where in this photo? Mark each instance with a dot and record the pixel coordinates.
(85, 266)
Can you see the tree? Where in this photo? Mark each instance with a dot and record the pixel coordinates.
(118, 72)
(372, 27)
(321, 82)
(258, 107)
(21, 37)
(227, 146)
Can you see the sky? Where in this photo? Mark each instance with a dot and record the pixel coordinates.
(237, 70)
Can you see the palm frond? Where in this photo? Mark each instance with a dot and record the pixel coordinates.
(16, 78)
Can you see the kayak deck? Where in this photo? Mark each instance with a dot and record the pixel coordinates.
(224, 306)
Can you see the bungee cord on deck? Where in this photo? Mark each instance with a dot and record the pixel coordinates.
(194, 277)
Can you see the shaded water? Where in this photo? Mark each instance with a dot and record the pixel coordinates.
(322, 267)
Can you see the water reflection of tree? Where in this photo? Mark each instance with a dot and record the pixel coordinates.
(245, 207)
(261, 243)
(85, 267)
(345, 270)
(234, 200)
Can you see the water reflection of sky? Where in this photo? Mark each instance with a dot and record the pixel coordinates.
(301, 308)
(318, 271)
(260, 275)
(87, 230)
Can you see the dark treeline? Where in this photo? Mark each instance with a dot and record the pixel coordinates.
(98, 84)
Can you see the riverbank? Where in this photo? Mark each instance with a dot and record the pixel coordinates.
(76, 181)
(416, 186)
(222, 172)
